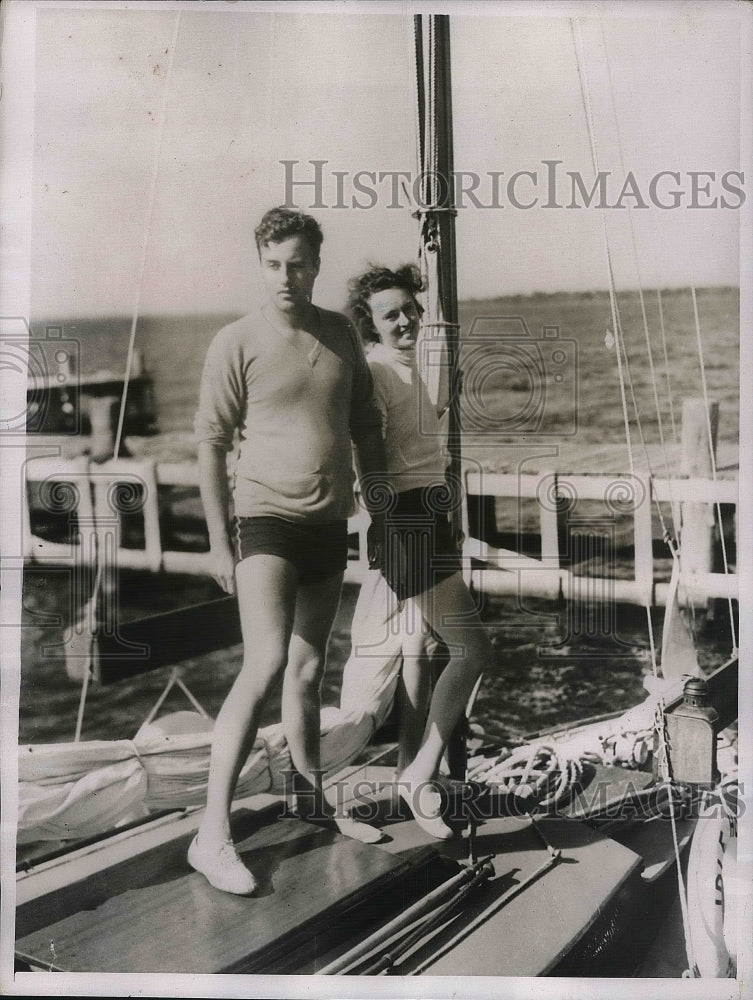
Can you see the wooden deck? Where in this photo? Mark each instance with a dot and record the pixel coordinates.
(531, 933)
(152, 913)
(145, 911)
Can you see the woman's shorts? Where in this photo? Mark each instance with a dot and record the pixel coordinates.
(317, 551)
(419, 546)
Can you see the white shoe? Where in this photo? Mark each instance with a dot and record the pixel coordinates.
(221, 867)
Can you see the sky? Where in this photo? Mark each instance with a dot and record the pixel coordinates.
(158, 136)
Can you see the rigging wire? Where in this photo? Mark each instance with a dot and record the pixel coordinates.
(709, 431)
(636, 260)
(622, 354)
(670, 539)
(620, 344)
(100, 556)
(675, 549)
(616, 320)
(147, 231)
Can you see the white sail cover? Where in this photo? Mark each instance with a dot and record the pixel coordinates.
(73, 790)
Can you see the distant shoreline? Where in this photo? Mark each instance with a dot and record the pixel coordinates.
(536, 295)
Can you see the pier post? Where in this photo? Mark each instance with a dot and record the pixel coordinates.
(696, 462)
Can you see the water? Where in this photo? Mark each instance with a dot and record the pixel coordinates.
(547, 673)
(588, 403)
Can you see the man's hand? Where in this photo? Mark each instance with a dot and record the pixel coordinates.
(222, 567)
(375, 542)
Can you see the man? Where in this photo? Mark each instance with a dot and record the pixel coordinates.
(292, 380)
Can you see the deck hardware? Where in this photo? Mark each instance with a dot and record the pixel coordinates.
(407, 920)
(553, 856)
(553, 851)
(424, 926)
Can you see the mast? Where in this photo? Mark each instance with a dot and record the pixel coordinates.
(437, 257)
(437, 213)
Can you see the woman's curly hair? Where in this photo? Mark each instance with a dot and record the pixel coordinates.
(377, 279)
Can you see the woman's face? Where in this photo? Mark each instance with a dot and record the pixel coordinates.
(396, 318)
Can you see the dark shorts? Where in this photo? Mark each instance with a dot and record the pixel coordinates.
(420, 549)
(317, 551)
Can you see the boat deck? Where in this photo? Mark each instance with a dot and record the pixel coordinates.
(152, 913)
(321, 892)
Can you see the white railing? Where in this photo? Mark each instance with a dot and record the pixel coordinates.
(505, 571)
(94, 497)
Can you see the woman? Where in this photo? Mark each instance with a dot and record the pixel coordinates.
(414, 545)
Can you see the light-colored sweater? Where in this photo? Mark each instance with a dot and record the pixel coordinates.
(296, 413)
(415, 445)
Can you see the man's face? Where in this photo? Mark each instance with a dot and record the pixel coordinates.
(289, 270)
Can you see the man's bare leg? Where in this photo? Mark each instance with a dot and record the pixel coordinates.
(316, 607)
(315, 610)
(266, 587)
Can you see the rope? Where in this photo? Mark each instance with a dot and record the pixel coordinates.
(419, 104)
(668, 538)
(550, 770)
(90, 610)
(676, 521)
(647, 336)
(131, 342)
(175, 680)
(621, 347)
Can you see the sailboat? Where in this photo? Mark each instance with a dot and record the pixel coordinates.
(566, 842)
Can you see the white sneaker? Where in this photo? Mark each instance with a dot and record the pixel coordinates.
(221, 867)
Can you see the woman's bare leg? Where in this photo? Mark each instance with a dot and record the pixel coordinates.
(451, 612)
(413, 691)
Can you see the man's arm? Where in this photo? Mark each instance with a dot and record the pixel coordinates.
(216, 419)
(368, 417)
(376, 492)
(215, 497)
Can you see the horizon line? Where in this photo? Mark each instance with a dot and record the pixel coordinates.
(536, 294)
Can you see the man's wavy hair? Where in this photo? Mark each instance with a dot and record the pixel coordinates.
(377, 279)
(281, 223)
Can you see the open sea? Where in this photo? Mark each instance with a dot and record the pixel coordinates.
(541, 380)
